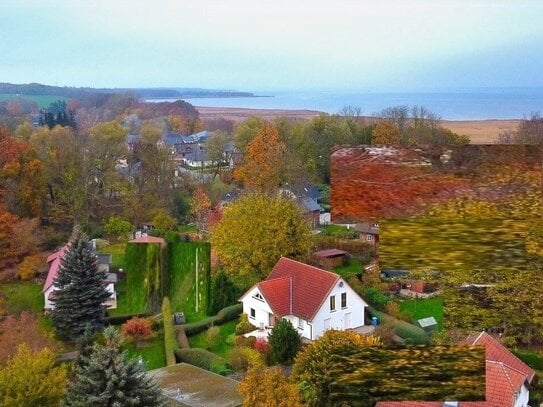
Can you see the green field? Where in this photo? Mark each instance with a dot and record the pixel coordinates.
(43, 101)
(353, 268)
(117, 252)
(23, 297)
(220, 347)
(153, 353)
(423, 308)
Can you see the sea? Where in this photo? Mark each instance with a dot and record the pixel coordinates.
(449, 104)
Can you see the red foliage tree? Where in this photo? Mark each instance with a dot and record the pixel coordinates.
(137, 329)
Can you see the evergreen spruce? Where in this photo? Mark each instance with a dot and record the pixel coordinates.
(223, 293)
(80, 291)
(284, 341)
(108, 378)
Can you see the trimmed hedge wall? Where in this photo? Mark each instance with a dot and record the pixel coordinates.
(403, 329)
(121, 319)
(189, 278)
(204, 359)
(145, 274)
(226, 314)
(170, 343)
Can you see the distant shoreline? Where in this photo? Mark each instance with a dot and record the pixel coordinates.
(484, 131)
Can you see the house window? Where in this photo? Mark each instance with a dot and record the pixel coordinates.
(343, 300)
(300, 323)
(253, 313)
(369, 238)
(333, 303)
(258, 296)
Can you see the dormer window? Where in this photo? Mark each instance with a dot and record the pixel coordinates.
(258, 296)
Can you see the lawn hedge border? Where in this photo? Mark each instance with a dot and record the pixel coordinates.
(224, 315)
(170, 342)
(401, 328)
(204, 359)
(121, 319)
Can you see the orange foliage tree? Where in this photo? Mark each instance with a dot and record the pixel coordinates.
(263, 165)
(138, 329)
(268, 388)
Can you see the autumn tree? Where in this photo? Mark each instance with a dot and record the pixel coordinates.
(118, 227)
(31, 378)
(163, 220)
(216, 146)
(107, 377)
(246, 131)
(255, 231)
(285, 341)
(138, 329)
(262, 168)
(200, 207)
(385, 133)
(312, 365)
(31, 266)
(268, 388)
(80, 291)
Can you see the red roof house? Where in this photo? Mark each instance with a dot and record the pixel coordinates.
(311, 298)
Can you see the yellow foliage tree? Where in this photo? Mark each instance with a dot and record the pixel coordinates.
(30, 378)
(255, 231)
(312, 364)
(268, 388)
(31, 266)
(386, 133)
(264, 161)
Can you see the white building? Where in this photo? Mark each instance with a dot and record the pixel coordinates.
(313, 300)
(104, 260)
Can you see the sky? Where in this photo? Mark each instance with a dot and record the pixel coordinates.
(273, 45)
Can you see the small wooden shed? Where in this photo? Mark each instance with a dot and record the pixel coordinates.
(330, 258)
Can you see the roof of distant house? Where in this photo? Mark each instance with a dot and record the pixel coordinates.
(505, 374)
(54, 266)
(367, 227)
(147, 239)
(331, 253)
(295, 288)
(310, 204)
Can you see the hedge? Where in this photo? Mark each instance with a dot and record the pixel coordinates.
(403, 329)
(226, 314)
(170, 343)
(203, 359)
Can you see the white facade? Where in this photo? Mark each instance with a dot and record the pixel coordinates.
(48, 304)
(351, 315)
(523, 397)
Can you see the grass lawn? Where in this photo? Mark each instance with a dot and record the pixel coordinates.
(354, 267)
(187, 228)
(423, 308)
(153, 353)
(117, 252)
(22, 296)
(220, 347)
(339, 231)
(43, 101)
(122, 303)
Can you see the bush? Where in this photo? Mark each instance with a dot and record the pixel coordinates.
(202, 358)
(385, 332)
(137, 329)
(284, 342)
(223, 292)
(242, 358)
(376, 298)
(212, 335)
(226, 314)
(231, 339)
(229, 313)
(31, 266)
(250, 341)
(121, 319)
(393, 308)
(170, 343)
(261, 345)
(244, 326)
(118, 227)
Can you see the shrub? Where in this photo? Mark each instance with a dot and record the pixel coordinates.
(194, 328)
(202, 358)
(284, 342)
(376, 298)
(240, 340)
(393, 308)
(250, 341)
(229, 313)
(231, 339)
(170, 343)
(212, 335)
(121, 319)
(262, 346)
(386, 333)
(223, 292)
(244, 326)
(118, 227)
(31, 266)
(243, 358)
(137, 329)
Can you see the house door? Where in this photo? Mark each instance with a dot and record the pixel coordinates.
(348, 320)
(327, 324)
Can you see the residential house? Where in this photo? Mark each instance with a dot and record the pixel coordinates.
(307, 196)
(369, 232)
(507, 379)
(103, 260)
(330, 258)
(312, 299)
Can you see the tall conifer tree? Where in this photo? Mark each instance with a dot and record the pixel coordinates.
(108, 378)
(80, 291)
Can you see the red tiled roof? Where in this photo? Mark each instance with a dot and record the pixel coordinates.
(505, 374)
(277, 294)
(331, 253)
(496, 352)
(147, 239)
(310, 287)
(54, 266)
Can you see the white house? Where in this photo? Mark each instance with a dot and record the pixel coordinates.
(104, 260)
(313, 299)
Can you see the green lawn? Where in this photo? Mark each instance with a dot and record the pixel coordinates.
(220, 347)
(354, 267)
(187, 228)
(339, 231)
(153, 353)
(122, 303)
(22, 296)
(43, 101)
(423, 308)
(117, 252)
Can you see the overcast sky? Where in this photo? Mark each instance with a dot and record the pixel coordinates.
(273, 45)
